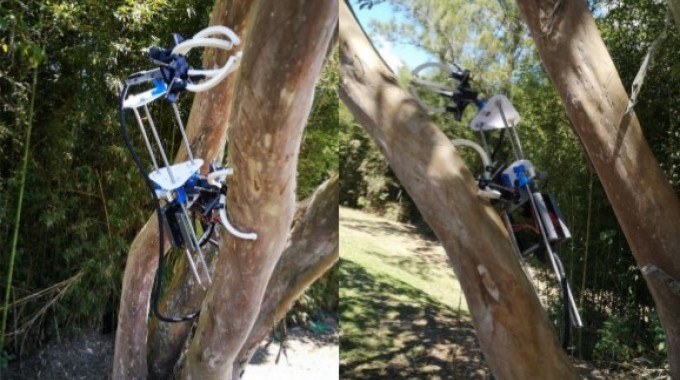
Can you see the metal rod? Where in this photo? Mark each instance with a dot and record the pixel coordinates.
(193, 266)
(184, 134)
(158, 141)
(146, 138)
(483, 137)
(518, 252)
(517, 149)
(513, 136)
(508, 226)
(576, 318)
(198, 246)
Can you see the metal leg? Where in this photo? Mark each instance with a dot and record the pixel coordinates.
(146, 137)
(184, 134)
(514, 140)
(486, 146)
(573, 310)
(193, 266)
(518, 253)
(554, 260)
(158, 141)
(192, 236)
(508, 226)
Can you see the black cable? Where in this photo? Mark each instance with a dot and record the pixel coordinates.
(157, 285)
(498, 145)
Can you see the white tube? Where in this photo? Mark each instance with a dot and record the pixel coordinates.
(184, 47)
(482, 153)
(230, 66)
(202, 40)
(229, 227)
(218, 176)
(219, 29)
(418, 82)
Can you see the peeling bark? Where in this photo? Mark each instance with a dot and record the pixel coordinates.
(517, 339)
(282, 59)
(129, 361)
(303, 261)
(312, 249)
(207, 131)
(644, 202)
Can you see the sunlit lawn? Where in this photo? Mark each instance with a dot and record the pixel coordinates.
(400, 316)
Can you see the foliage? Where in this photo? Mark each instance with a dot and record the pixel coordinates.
(5, 358)
(84, 198)
(607, 284)
(625, 337)
(319, 151)
(322, 297)
(485, 33)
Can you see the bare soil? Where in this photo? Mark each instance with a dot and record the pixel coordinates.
(89, 356)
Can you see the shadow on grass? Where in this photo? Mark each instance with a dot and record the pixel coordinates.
(424, 257)
(390, 330)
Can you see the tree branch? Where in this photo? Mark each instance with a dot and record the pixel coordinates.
(646, 206)
(312, 250)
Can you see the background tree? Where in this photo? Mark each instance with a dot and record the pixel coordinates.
(645, 204)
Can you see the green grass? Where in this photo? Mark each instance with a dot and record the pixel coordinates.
(395, 250)
(399, 308)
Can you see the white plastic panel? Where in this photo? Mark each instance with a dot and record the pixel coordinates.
(139, 100)
(489, 117)
(181, 173)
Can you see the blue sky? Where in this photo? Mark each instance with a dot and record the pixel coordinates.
(395, 54)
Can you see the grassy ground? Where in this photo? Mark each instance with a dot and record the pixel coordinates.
(402, 315)
(402, 312)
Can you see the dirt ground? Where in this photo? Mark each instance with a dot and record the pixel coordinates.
(89, 356)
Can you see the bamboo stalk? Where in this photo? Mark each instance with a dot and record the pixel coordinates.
(17, 219)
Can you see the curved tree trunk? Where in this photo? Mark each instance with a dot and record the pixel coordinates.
(645, 204)
(282, 59)
(207, 131)
(514, 332)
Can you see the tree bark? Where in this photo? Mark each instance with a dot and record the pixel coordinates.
(312, 249)
(514, 332)
(206, 130)
(282, 59)
(129, 360)
(303, 261)
(674, 7)
(644, 202)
